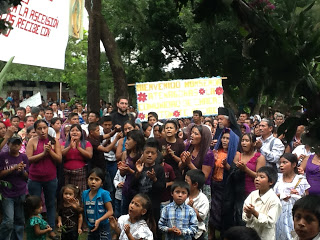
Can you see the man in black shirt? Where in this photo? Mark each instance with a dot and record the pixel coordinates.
(121, 115)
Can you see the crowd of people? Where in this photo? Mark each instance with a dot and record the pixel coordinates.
(110, 175)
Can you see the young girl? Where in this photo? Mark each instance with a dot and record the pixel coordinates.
(36, 227)
(134, 146)
(139, 223)
(127, 127)
(97, 206)
(69, 216)
(289, 187)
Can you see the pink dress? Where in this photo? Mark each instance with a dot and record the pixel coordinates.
(249, 181)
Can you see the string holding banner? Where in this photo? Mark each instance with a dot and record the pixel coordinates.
(178, 98)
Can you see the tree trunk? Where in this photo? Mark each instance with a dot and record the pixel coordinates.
(114, 58)
(257, 107)
(93, 59)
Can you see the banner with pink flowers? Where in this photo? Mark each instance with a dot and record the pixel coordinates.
(178, 98)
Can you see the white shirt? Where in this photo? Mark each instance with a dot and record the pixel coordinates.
(110, 156)
(201, 203)
(59, 114)
(272, 155)
(296, 237)
(138, 230)
(269, 208)
(301, 150)
(118, 179)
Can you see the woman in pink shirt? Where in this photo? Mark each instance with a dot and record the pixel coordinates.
(44, 153)
(76, 150)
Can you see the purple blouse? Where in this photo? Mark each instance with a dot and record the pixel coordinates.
(313, 176)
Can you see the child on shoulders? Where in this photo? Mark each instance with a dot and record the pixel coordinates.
(262, 207)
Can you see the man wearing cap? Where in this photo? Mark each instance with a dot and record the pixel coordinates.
(226, 119)
(14, 169)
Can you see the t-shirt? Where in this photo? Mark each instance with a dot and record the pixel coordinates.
(19, 184)
(97, 156)
(69, 217)
(178, 147)
(73, 159)
(118, 118)
(94, 208)
(35, 220)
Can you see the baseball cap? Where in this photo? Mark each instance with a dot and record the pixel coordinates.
(16, 138)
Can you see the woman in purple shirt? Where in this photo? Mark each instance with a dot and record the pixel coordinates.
(311, 166)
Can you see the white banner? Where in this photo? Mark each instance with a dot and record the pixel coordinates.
(178, 98)
(33, 101)
(40, 33)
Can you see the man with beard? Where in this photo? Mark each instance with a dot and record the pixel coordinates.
(121, 115)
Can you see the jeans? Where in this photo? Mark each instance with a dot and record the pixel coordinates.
(117, 208)
(102, 233)
(49, 190)
(12, 225)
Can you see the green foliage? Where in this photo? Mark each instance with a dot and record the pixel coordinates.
(4, 8)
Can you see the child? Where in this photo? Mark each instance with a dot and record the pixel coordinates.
(198, 200)
(14, 121)
(97, 206)
(289, 188)
(172, 147)
(69, 216)
(146, 127)
(149, 176)
(170, 177)
(118, 182)
(262, 207)
(306, 218)
(139, 223)
(13, 169)
(179, 220)
(36, 228)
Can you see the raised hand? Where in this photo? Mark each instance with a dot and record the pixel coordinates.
(152, 175)
(140, 164)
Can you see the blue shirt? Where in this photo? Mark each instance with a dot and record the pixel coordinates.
(183, 217)
(95, 208)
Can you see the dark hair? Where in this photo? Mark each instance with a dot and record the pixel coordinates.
(92, 126)
(31, 203)
(21, 109)
(310, 203)
(209, 121)
(83, 141)
(291, 158)
(106, 119)
(152, 143)
(75, 190)
(95, 113)
(132, 123)
(55, 119)
(197, 176)
(14, 116)
(99, 172)
(35, 125)
(138, 137)
(172, 122)
(48, 109)
(252, 139)
(271, 174)
(3, 124)
(72, 114)
(197, 112)
(153, 114)
(145, 126)
(29, 129)
(6, 113)
(158, 125)
(148, 217)
(206, 138)
(241, 233)
(122, 97)
(27, 117)
(181, 184)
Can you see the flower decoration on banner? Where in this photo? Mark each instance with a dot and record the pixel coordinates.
(142, 97)
(219, 90)
(202, 91)
(176, 113)
(141, 116)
